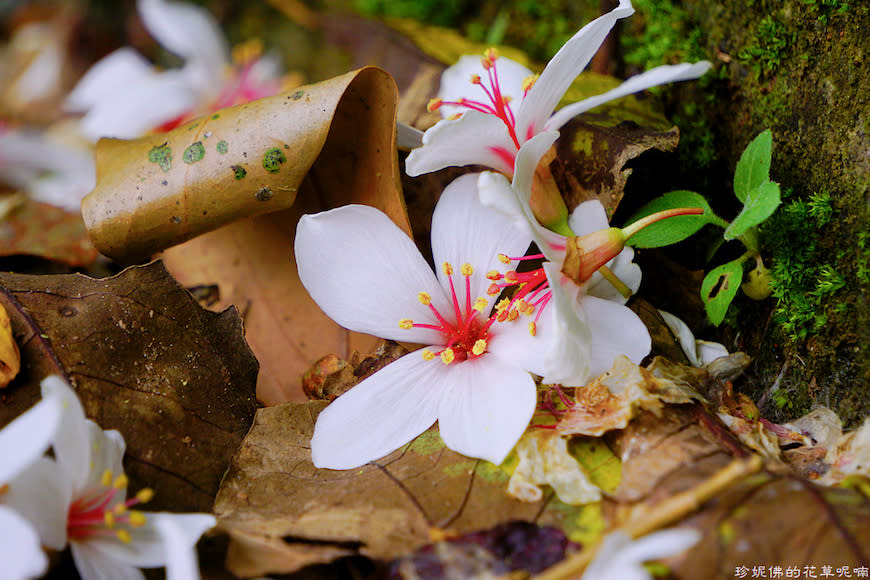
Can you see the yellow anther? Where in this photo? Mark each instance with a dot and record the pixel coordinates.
(475, 79)
(491, 53)
(504, 259)
(530, 310)
(145, 495)
(480, 304)
(533, 329)
(248, 51)
(121, 481)
(493, 275)
(424, 298)
(106, 479)
(434, 105)
(479, 347)
(428, 354)
(119, 508)
(124, 536)
(511, 277)
(447, 269)
(454, 116)
(513, 315)
(529, 82)
(502, 316)
(447, 356)
(406, 323)
(493, 290)
(503, 303)
(137, 519)
(522, 305)
(506, 99)
(109, 519)
(466, 269)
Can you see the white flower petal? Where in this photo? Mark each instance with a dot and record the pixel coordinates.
(487, 407)
(107, 453)
(465, 231)
(699, 352)
(563, 68)
(380, 414)
(474, 138)
(620, 558)
(94, 564)
(365, 273)
(616, 330)
(192, 33)
(709, 351)
(119, 70)
(72, 442)
(456, 82)
(140, 107)
(651, 78)
(20, 550)
(180, 534)
(42, 494)
(26, 438)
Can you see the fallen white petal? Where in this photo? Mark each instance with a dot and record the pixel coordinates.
(20, 551)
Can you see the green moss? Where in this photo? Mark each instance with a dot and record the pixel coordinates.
(770, 43)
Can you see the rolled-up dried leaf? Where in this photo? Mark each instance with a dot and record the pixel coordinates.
(243, 161)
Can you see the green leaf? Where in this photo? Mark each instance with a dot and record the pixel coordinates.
(719, 287)
(675, 229)
(753, 169)
(760, 204)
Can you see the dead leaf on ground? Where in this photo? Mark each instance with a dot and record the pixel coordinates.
(38, 229)
(10, 357)
(176, 380)
(275, 501)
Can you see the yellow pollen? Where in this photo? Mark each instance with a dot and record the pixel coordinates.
(503, 303)
(493, 275)
(479, 347)
(522, 306)
(447, 268)
(145, 495)
(529, 82)
(109, 519)
(428, 354)
(511, 277)
(434, 105)
(513, 315)
(121, 481)
(506, 99)
(480, 304)
(454, 116)
(466, 269)
(493, 290)
(137, 519)
(475, 79)
(530, 310)
(447, 356)
(406, 323)
(424, 298)
(503, 258)
(491, 53)
(119, 508)
(106, 479)
(124, 536)
(533, 329)
(502, 316)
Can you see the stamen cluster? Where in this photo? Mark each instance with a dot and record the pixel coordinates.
(102, 510)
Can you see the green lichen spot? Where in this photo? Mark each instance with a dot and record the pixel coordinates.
(264, 194)
(162, 156)
(239, 171)
(194, 153)
(427, 443)
(222, 147)
(193, 126)
(216, 116)
(272, 159)
(297, 95)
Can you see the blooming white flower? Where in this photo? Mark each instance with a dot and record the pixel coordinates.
(516, 106)
(81, 499)
(48, 169)
(22, 443)
(699, 352)
(124, 96)
(621, 558)
(368, 276)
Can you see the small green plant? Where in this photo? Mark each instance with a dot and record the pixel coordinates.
(760, 197)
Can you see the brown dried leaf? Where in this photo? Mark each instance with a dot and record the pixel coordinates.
(145, 359)
(273, 499)
(38, 229)
(10, 357)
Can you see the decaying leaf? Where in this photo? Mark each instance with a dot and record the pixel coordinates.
(244, 161)
(274, 500)
(145, 359)
(10, 357)
(331, 376)
(37, 229)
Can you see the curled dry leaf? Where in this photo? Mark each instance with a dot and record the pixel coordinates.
(176, 380)
(331, 376)
(10, 357)
(37, 229)
(275, 503)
